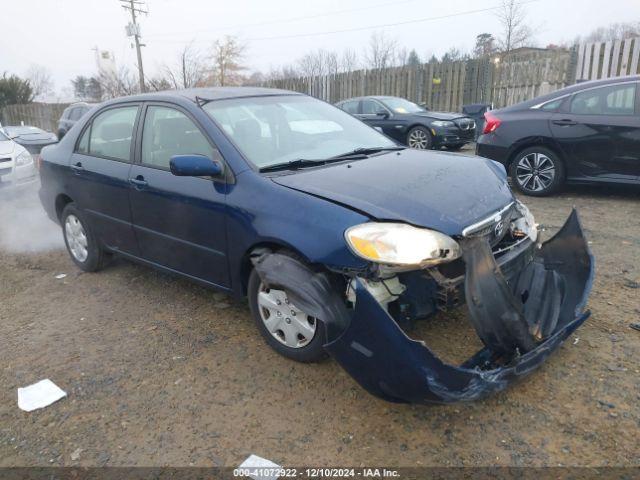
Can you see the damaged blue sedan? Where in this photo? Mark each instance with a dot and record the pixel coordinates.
(338, 236)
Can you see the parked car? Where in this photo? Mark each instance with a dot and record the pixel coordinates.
(71, 115)
(412, 124)
(585, 133)
(31, 138)
(337, 235)
(17, 169)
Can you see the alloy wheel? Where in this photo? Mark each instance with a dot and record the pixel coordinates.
(535, 172)
(419, 139)
(76, 238)
(283, 320)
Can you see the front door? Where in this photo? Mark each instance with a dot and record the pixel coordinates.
(600, 133)
(379, 117)
(179, 221)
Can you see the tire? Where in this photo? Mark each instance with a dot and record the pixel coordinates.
(308, 351)
(454, 148)
(547, 171)
(87, 254)
(419, 138)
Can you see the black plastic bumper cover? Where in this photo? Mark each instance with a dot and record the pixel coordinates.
(520, 324)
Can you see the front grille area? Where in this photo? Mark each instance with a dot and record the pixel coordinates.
(465, 124)
(5, 160)
(5, 171)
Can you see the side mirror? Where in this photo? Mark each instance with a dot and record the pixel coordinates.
(382, 113)
(194, 166)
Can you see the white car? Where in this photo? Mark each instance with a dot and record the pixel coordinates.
(17, 168)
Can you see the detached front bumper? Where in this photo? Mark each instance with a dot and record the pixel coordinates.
(520, 322)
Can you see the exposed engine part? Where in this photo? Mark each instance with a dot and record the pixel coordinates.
(524, 225)
(384, 291)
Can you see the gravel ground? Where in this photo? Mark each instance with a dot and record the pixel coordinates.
(162, 372)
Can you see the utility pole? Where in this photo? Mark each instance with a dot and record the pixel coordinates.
(133, 30)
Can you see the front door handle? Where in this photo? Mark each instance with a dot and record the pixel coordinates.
(138, 182)
(565, 122)
(77, 167)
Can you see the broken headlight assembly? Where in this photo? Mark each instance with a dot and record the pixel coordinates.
(401, 244)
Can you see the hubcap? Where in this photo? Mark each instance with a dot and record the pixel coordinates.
(76, 238)
(286, 322)
(419, 139)
(535, 172)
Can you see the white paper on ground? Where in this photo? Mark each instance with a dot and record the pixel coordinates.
(39, 395)
(256, 462)
(61, 276)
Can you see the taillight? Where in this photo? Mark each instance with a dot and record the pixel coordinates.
(491, 123)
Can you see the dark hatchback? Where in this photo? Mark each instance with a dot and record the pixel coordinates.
(71, 115)
(585, 133)
(338, 237)
(411, 124)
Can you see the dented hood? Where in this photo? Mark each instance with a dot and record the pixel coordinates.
(438, 190)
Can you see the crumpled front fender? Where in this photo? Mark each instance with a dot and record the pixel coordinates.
(369, 344)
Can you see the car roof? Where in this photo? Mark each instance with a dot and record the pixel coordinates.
(208, 94)
(576, 87)
(23, 128)
(368, 97)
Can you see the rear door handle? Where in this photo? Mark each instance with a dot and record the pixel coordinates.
(565, 122)
(138, 182)
(77, 167)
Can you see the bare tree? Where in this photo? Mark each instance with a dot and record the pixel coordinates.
(349, 61)
(227, 57)
(117, 84)
(613, 31)
(319, 62)
(381, 52)
(188, 71)
(39, 78)
(515, 30)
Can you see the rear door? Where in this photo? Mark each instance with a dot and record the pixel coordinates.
(599, 132)
(179, 221)
(99, 178)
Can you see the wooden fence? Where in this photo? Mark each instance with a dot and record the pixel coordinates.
(501, 80)
(608, 59)
(41, 115)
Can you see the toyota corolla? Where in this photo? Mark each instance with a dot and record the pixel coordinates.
(337, 235)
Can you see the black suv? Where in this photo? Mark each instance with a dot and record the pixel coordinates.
(71, 115)
(585, 133)
(411, 124)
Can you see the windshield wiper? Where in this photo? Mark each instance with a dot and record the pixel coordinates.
(368, 151)
(292, 165)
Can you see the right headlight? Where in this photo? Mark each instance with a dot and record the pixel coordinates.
(401, 244)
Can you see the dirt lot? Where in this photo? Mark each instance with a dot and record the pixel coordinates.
(161, 372)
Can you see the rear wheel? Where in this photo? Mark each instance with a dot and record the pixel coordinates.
(419, 138)
(286, 328)
(83, 247)
(537, 171)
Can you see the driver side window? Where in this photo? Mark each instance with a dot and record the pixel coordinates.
(168, 132)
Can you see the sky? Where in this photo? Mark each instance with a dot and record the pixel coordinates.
(61, 34)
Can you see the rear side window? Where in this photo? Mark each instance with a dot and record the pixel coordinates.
(168, 132)
(110, 133)
(611, 100)
(350, 107)
(371, 107)
(552, 106)
(75, 113)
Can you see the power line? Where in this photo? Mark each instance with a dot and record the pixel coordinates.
(288, 20)
(384, 25)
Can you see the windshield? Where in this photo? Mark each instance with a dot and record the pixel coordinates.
(3, 137)
(400, 105)
(22, 130)
(276, 129)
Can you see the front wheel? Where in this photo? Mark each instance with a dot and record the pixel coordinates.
(537, 171)
(419, 138)
(83, 247)
(287, 329)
